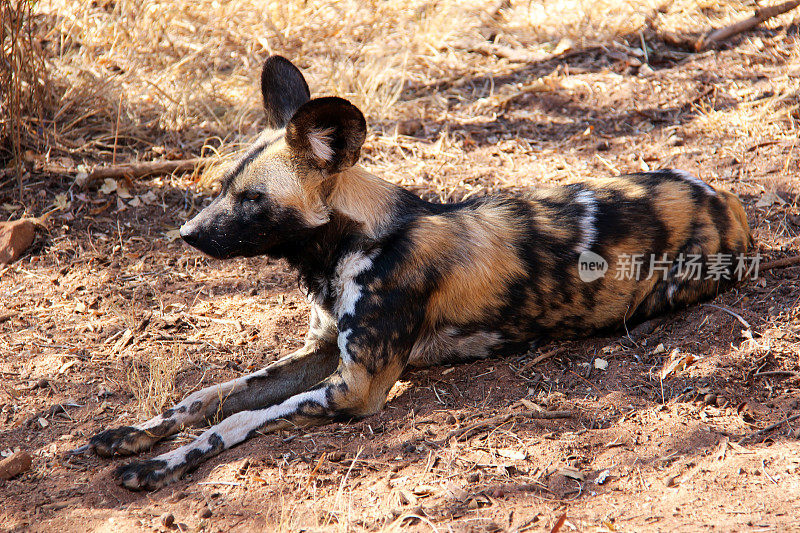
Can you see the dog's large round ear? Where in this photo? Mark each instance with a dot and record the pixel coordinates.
(284, 90)
(329, 132)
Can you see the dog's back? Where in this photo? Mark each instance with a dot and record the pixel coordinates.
(489, 275)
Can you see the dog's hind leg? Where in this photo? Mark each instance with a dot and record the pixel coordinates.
(280, 380)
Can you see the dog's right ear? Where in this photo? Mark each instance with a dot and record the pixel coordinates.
(284, 90)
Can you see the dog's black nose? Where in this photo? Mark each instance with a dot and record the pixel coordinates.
(190, 233)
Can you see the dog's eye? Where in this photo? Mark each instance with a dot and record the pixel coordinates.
(251, 196)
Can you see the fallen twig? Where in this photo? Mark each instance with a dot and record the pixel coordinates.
(468, 431)
(789, 373)
(546, 355)
(761, 432)
(758, 17)
(781, 263)
(140, 170)
(495, 421)
(734, 314)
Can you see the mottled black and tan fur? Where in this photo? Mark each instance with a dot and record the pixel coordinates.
(397, 281)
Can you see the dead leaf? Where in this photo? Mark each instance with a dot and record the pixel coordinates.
(81, 178)
(602, 476)
(149, 198)
(62, 202)
(109, 186)
(769, 199)
(423, 490)
(510, 453)
(122, 342)
(572, 473)
(66, 366)
(123, 192)
(677, 362)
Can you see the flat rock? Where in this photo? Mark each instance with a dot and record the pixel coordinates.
(15, 237)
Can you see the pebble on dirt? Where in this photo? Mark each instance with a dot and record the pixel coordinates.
(14, 465)
(15, 237)
(167, 520)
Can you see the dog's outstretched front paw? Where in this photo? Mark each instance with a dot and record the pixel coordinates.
(124, 440)
(151, 474)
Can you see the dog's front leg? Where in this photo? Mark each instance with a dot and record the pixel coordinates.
(280, 380)
(358, 388)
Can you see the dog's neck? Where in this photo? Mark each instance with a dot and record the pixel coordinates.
(365, 199)
(364, 209)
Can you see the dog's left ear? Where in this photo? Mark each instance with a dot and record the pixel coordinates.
(329, 132)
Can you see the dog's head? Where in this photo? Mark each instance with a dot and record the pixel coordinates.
(275, 194)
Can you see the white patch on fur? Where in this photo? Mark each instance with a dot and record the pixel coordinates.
(342, 343)
(588, 220)
(320, 142)
(346, 291)
(673, 287)
(685, 176)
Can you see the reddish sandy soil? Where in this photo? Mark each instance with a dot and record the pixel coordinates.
(103, 296)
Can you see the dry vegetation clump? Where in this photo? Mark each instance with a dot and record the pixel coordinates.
(22, 83)
(148, 80)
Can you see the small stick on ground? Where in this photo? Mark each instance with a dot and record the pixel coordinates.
(758, 17)
(781, 263)
(789, 373)
(495, 421)
(734, 314)
(140, 170)
(546, 355)
(761, 432)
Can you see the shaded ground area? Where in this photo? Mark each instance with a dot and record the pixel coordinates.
(108, 319)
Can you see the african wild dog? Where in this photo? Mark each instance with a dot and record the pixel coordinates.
(394, 280)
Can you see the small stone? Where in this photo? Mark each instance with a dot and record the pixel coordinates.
(205, 512)
(15, 237)
(178, 496)
(474, 477)
(15, 465)
(409, 127)
(710, 399)
(167, 520)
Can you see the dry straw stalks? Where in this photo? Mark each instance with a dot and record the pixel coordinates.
(23, 78)
(146, 80)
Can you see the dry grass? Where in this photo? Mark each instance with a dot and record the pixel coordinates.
(152, 381)
(22, 82)
(144, 79)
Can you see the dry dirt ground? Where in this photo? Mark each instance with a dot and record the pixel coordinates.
(108, 318)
